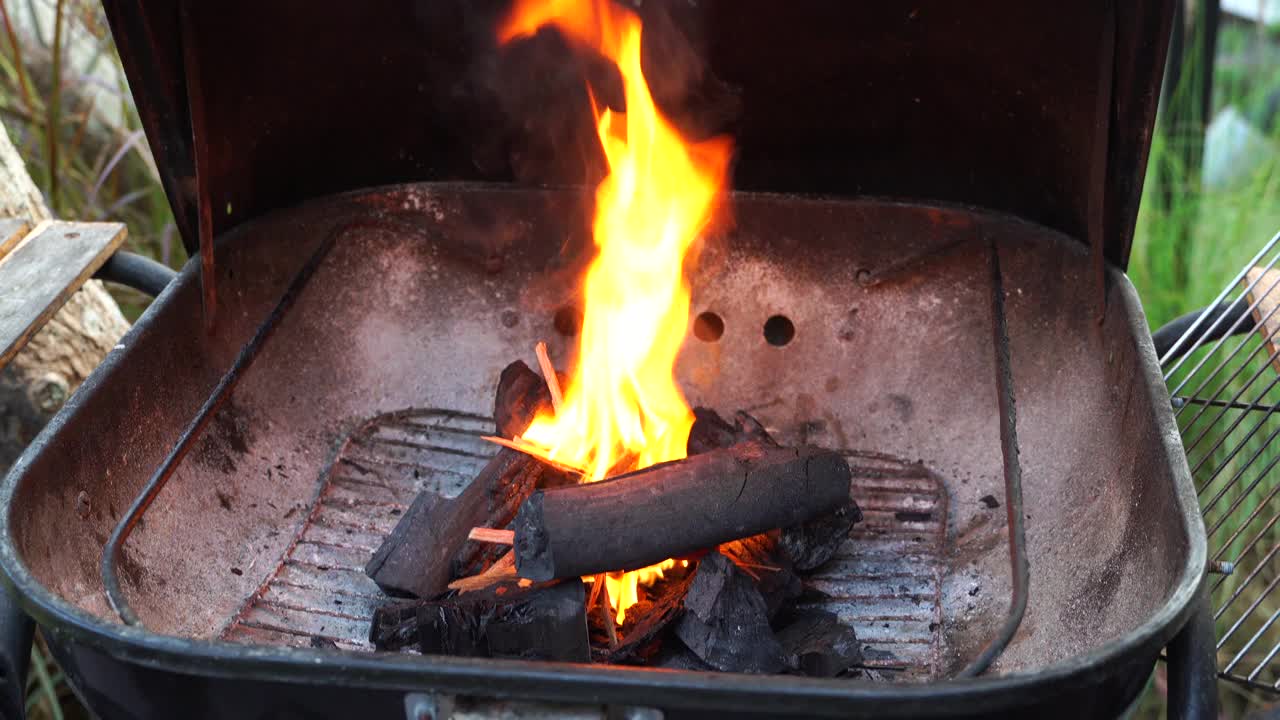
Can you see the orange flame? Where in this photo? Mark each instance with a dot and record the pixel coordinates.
(623, 410)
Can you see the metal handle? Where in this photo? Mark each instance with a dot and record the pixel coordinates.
(136, 271)
(1221, 320)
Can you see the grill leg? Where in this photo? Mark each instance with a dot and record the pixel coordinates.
(1193, 671)
(15, 652)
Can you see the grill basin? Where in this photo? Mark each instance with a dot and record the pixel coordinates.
(891, 355)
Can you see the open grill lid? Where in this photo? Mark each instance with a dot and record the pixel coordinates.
(1030, 108)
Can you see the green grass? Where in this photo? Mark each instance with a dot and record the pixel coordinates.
(1183, 252)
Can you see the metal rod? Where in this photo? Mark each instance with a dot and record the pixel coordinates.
(111, 553)
(1252, 641)
(1215, 402)
(1254, 406)
(1248, 313)
(200, 158)
(1253, 676)
(1253, 542)
(1253, 515)
(1018, 563)
(1240, 591)
(1226, 433)
(1235, 480)
(1191, 332)
(1226, 544)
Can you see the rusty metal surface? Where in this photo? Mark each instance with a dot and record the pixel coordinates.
(891, 353)
(998, 99)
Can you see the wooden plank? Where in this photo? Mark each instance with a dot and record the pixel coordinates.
(11, 231)
(44, 270)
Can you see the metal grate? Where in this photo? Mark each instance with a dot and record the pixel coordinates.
(1223, 375)
(886, 582)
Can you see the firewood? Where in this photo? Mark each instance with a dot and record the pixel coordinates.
(726, 621)
(816, 643)
(812, 543)
(429, 546)
(541, 622)
(675, 508)
(502, 569)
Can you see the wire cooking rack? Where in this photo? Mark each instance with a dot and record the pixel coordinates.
(1222, 366)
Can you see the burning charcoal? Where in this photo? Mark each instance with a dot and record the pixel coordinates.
(761, 558)
(726, 621)
(429, 546)
(816, 643)
(688, 505)
(646, 622)
(811, 544)
(542, 622)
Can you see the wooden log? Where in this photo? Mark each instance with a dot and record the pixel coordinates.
(540, 622)
(675, 508)
(429, 546)
(817, 644)
(811, 544)
(726, 622)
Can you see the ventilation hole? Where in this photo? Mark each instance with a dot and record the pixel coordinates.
(778, 330)
(708, 327)
(567, 321)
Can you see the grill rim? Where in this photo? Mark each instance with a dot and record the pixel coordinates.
(1133, 652)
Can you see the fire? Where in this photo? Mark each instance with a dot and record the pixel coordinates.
(622, 409)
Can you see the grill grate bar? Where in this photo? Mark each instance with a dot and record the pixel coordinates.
(1227, 365)
(885, 582)
(1245, 525)
(1225, 361)
(1185, 344)
(1240, 589)
(1253, 640)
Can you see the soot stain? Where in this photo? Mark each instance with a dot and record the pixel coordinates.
(227, 438)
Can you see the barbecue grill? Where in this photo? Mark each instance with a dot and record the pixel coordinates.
(934, 212)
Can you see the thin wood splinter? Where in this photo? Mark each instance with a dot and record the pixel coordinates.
(607, 610)
(533, 451)
(496, 536)
(549, 375)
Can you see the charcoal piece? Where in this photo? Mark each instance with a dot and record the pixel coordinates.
(429, 547)
(540, 622)
(522, 394)
(394, 626)
(687, 505)
(812, 543)
(761, 558)
(711, 432)
(726, 621)
(675, 656)
(817, 644)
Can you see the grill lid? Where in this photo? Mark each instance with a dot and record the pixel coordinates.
(1021, 107)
